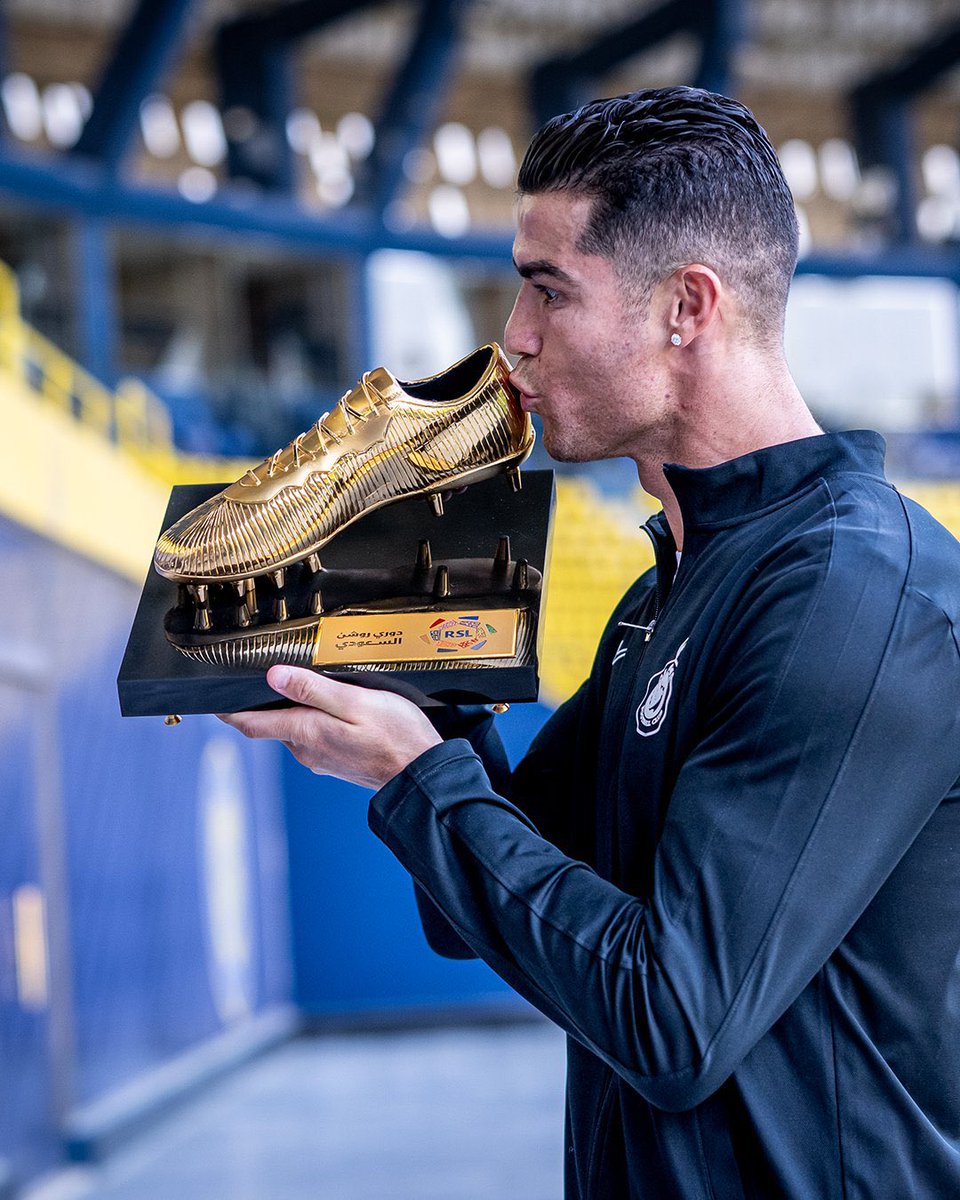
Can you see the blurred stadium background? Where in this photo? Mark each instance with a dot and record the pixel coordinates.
(214, 215)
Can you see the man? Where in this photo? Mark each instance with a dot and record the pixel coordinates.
(729, 866)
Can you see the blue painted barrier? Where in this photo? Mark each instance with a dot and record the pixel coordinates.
(27, 1134)
(358, 945)
(143, 872)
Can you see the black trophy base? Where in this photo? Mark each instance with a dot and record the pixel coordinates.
(158, 679)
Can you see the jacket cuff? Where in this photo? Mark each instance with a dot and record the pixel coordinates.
(408, 812)
(455, 759)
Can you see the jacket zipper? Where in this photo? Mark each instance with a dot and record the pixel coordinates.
(647, 630)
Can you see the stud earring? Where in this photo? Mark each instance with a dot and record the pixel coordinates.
(675, 339)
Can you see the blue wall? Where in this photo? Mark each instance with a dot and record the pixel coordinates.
(357, 938)
(26, 1104)
(160, 854)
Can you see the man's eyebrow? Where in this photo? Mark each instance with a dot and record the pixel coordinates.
(542, 266)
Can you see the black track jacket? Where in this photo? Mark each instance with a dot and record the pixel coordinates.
(729, 866)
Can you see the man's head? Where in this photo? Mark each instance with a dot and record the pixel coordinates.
(675, 175)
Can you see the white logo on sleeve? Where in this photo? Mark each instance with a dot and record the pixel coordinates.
(653, 707)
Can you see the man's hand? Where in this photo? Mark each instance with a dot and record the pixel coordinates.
(358, 734)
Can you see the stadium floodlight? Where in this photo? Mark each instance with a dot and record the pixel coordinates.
(799, 164)
(62, 115)
(303, 130)
(203, 133)
(941, 171)
(21, 105)
(938, 218)
(158, 127)
(356, 134)
(839, 169)
(449, 211)
(197, 184)
(498, 163)
(456, 153)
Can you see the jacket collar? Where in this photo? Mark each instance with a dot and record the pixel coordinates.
(736, 490)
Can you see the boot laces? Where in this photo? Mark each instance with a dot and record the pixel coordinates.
(324, 434)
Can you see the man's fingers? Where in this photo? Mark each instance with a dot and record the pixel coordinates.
(339, 729)
(316, 691)
(253, 724)
(298, 725)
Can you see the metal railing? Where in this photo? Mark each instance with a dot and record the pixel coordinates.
(131, 417)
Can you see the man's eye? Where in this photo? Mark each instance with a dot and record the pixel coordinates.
(548, 294)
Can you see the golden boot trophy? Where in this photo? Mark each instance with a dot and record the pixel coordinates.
(247, 589)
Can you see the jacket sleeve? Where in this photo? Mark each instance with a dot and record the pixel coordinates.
(475, 724)
(543, 786)
(552, 785)
(828, 739)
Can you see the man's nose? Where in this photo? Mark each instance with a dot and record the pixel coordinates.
(520, 335)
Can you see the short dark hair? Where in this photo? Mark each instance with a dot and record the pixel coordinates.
(678, 175)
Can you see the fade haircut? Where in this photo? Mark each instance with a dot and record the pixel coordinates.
(677, 175)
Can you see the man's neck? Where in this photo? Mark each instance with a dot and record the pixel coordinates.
(720, 424)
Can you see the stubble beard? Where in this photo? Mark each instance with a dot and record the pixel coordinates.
(568, 448)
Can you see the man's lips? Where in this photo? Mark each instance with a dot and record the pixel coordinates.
(528, 399)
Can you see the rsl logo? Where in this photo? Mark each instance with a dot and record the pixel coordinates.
(457, 635)
(653, 708)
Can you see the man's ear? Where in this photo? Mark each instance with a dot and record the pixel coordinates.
(693, 293)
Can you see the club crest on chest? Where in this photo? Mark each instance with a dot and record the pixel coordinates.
(652, 710)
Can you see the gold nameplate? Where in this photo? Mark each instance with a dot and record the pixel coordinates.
(414, 637)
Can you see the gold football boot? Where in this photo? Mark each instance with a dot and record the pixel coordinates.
(384, 441)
